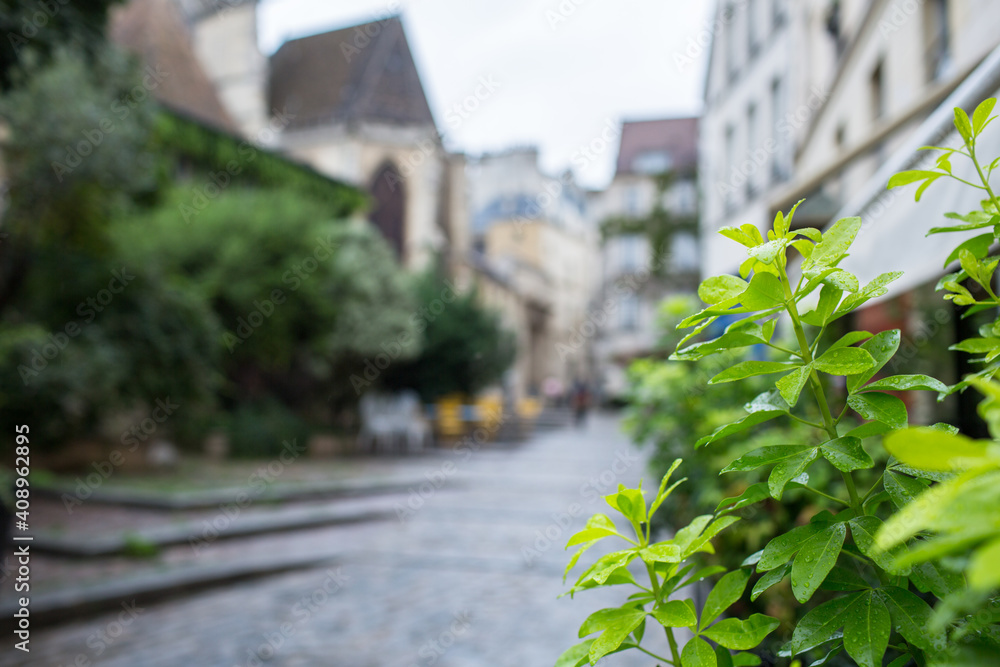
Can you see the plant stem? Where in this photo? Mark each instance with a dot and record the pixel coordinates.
(814, 383)
(658, 657)
(982, 177)
(826, 495)
(874, 486)
(673, 645)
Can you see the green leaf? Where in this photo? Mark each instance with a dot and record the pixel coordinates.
(661, 553)
(764, 456)
(866, 630)
(604, 618)
(698, 653)
(788, 469)
(746, 660)
(746, 369)
(765, 291)
(910, 616)
(769, 251)
(769, 579)
(844, 361)
(721, 288)
(983, 572)
(934, 578)
(906, 383)
(834, 244)
(815, 559)
(738, 235)
(790, 386)
(863, 531)
(781, 549)
(876, 288)
(880, 407)
(752, 419)
(615, 634)
(821, 624)
(977, 345)
(598, 527)
(850, 338)
(753, 494)
(982, 114)
(931, 449)
(979, 246)
(912, 176)
(575, 656)
(963, 125)
(882, 346)
(902, 489)
(829, 298)
(697, 544)
(844, 578)
(727, 591)
(846, 454)
(741, 635)
(675, 614)
(869, 429)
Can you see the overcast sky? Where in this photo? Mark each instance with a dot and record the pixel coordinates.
(559, 70)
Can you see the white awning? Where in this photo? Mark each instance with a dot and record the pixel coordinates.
(893, 235)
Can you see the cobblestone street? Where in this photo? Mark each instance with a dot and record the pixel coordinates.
(467, 574)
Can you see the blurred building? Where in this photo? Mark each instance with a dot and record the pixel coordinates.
(536, 250)
(347, 102)
(654, 185)
(808, 99)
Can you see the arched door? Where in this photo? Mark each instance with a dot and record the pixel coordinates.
(389, 206)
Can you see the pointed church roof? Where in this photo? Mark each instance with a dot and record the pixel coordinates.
(155, 31)
(364, 72)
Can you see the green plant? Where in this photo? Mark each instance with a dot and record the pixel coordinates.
(873, 596)
(956, 522)
(670, 566)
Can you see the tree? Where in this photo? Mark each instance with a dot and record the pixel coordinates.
(465, 348)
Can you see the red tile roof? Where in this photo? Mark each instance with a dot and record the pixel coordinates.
(363, 72)
(155, 31)
(676, 136)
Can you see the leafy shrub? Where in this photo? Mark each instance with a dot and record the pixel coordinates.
(261, 429)
(464, 347)
(871, 563)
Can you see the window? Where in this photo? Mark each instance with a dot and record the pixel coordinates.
(652, 162)
(630, 248)
(753, 141)
(628, 316)
(876, 91)
(632, 201)
(753, 39)
(728, 18)
(779, 131)
(730, 166)
(685, 252)
(937, 40)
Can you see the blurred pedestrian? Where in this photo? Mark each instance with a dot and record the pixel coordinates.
(581, 402)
